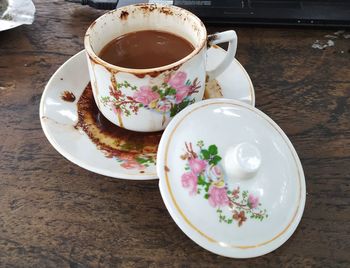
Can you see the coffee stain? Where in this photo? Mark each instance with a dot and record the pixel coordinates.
(68, 96)
(120, 120)
(155, 74)
(124, 15)
(211, 38)
(151, 74)
(93, 59)
(147, 8)
(212, 90)
(114, 141)
(166, 11)
(114, 86)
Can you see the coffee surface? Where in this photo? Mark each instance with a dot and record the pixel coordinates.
(146, 49)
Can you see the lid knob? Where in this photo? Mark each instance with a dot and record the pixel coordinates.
(242, 161)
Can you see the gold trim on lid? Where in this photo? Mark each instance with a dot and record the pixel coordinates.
(185, 218)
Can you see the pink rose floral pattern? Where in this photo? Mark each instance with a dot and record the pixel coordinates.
(137, 162)
(173, 95)
(203, 175)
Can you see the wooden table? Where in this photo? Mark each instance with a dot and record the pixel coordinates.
(56, 214)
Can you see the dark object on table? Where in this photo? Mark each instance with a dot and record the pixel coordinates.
(280, 12)
(105, 4)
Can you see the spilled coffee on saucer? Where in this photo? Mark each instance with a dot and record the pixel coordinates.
(146, 49)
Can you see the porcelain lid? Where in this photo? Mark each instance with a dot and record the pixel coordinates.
(231, 178)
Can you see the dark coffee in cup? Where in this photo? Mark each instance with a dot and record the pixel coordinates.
(146, 49)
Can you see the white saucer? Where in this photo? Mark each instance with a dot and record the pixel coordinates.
(58, 118)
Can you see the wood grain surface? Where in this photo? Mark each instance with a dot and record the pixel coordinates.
(56, 214)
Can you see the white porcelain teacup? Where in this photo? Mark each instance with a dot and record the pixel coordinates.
(137, 99)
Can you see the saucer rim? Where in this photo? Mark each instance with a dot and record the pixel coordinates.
(251, 86)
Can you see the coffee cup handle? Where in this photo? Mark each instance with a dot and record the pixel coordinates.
(223, 37)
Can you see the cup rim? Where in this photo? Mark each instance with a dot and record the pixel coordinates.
(91, 53)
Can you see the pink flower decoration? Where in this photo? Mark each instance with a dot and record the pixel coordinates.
(132, 164)
(197, 165)
(145, 95)
(181, 93)
(126, 157)
(189, 180)
(253, 201)
(218, 197)
(177, 80)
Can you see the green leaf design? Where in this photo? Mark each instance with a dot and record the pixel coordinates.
(207, 185)
(215, 160)
(205, 154)
(201, 180)
(245, 194)
(206, 196)
(200, 144)
(170, 91)
(161, 94)
(132, 146)
(213, 149)
(173, 110)
(146, 160)
(179, 107)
